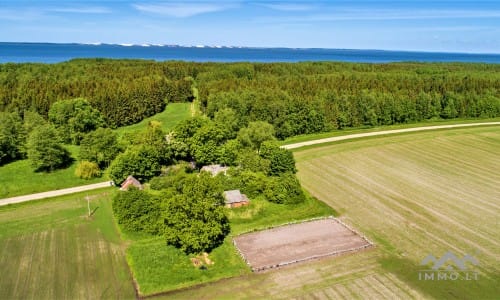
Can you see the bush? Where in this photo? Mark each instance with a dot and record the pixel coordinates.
(87, 170)
(284, 189)
(137, 211)
(281, 160)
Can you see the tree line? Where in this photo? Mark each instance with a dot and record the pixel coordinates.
(319, 96)
(124, 91)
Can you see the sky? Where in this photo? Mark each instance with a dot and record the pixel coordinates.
(420, 25)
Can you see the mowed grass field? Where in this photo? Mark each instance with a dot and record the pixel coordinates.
(173, 114)
(50, 249)
(18, 178)
(413, 195)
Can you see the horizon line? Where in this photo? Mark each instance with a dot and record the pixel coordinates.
(250, 47)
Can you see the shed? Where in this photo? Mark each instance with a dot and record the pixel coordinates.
(214, 169)
(234, 198)
(130, 181)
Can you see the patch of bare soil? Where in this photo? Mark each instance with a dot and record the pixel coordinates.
(289, 244)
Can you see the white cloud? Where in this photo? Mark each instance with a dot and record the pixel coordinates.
(289, 6)
(81, 10)
(385, 15)
(181, 10)
(19, 15)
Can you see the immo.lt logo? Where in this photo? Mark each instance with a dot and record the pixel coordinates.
(449, 267)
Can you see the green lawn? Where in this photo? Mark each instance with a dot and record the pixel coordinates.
(18, 178)
(158, 268)
(173, 114)
(262, 214)
(51, 250)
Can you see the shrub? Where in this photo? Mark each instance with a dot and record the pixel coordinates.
(284, 189)
(137, 211)
(87, 170)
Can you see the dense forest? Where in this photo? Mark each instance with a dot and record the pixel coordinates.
(295, 98)
(311, 97)
(79, 96)
(124, 91)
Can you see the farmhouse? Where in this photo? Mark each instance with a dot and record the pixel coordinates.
(235, 198)
(130, 181)
(214, 169)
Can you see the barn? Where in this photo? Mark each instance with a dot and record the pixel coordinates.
(234, 198)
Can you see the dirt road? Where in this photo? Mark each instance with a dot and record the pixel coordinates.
(384, 132)
(55, 193)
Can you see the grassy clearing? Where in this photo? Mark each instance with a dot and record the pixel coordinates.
(173, 114)
(51, 250)
(363, 129)
(18, 178)
(158, 268)
(262, 214)
(412, 195)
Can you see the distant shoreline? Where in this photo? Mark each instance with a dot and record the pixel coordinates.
(27, 52)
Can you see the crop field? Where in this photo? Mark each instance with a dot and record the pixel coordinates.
(299, 242)
(50, 249)
(412, 195)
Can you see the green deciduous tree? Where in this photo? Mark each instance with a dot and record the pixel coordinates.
(284, 189)
(100, 146)
(138, 211)
(194, 224)
(255, 134)
(44, 150)
(141, 161)
(281, 160)
(12, 137)
(74, 118)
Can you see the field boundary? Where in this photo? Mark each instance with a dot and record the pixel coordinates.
(312, 257)
(384, 132)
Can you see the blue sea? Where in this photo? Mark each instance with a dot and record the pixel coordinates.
(54, 53)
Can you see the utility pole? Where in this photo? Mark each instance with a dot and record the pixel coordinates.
(88, 203)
